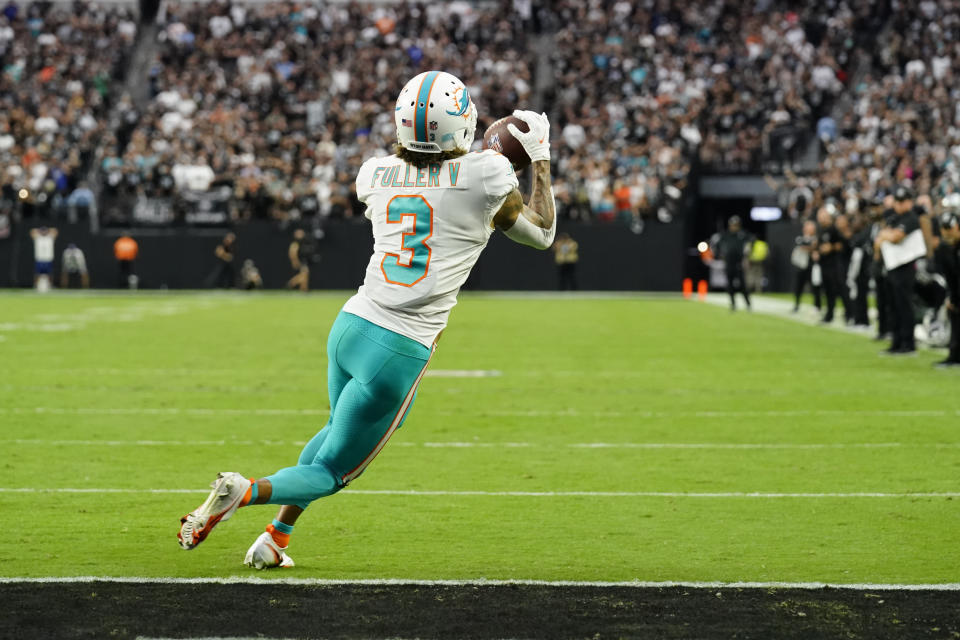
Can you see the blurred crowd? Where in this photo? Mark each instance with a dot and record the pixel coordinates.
(644, 89)
(903, 126)
(60, 69)
(277, 104)
(283, 102)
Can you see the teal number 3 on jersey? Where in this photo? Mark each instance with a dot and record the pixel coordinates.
(410, 268)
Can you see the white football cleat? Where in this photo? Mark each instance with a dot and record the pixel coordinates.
(228, 491)
(267, 554)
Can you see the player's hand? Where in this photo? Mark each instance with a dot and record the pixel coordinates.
(536, 141)
(950, 306)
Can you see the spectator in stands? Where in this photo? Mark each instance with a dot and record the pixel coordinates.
(74, 268)
(82, 203)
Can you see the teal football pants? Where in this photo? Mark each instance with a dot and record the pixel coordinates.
(372, 378)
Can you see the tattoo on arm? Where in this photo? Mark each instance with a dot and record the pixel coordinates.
(540, 210)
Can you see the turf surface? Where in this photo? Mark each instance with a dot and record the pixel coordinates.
(161, 392)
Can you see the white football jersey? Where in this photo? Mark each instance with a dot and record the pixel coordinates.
(429, 227)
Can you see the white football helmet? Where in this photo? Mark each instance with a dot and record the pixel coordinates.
(434, 114)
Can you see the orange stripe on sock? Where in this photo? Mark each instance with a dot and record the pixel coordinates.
(282, 539)
(246, 497)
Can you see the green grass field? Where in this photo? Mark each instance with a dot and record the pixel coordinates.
(159, 392)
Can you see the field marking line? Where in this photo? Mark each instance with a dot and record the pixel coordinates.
(463, 373)
(747, 446)
(133, 312)
(571, 413)
(799, 413)
(809, 316)
(160, 411)
(182, 371)
(532, 494)
(483, 582)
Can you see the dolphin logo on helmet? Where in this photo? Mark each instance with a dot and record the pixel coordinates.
(462, 104)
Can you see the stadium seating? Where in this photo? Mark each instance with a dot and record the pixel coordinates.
(62, 67)
(272, 107)
(282, 103)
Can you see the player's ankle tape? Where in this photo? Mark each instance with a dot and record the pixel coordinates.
(282, 527)
(252, 493)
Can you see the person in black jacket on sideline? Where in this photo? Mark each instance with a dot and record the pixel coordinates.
(947, 259)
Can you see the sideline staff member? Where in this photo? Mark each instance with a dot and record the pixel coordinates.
(948, 263)
(901, 279)
(300, 252)
(125, 250)
(566, 257)
(732, 246)
(828, 254)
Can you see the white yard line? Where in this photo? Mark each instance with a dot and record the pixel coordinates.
(161, 411)
(560, 413)
(574, 413)
(230, 373)
(463, 373)
(498, 445)
(530, 494)
(483, 582)
(136, 312)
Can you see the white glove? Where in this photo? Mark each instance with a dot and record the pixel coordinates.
(536, 141)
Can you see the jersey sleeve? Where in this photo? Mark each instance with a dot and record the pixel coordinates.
(363, 183)
(499, 179)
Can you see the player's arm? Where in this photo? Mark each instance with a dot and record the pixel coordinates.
(926, 226)
(894, 235)
(294, 254)
(535, 223)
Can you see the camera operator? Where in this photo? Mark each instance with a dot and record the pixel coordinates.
(947, 258)
(901, 276)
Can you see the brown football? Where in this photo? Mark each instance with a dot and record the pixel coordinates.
(499, 138)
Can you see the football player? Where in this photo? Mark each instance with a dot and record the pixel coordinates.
(433, 207)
